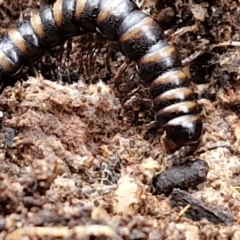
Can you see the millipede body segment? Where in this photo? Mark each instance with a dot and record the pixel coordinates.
(141, 40)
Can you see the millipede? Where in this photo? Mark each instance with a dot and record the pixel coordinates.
(141, 40)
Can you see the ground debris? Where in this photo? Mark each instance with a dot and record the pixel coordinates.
(197, 209)
(9, 134)
(85, 147)
(128, 186)
(78, 232)
(190, 174)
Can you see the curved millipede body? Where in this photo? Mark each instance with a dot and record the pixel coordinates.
(141, 40)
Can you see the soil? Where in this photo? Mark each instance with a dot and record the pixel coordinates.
(79, 146)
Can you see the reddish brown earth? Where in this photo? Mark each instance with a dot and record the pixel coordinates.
(77, 159)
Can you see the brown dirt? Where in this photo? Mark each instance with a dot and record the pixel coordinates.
(77, 159)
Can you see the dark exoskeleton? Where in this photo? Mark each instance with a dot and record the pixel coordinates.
(141, 40)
